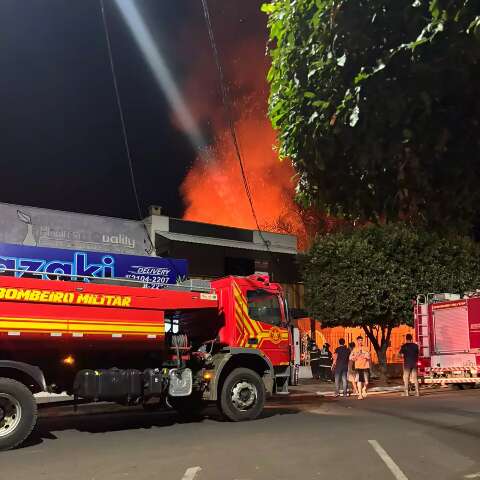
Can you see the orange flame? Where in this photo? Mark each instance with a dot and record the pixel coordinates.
(213, 190)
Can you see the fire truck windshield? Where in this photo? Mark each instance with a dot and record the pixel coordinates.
(264, 306)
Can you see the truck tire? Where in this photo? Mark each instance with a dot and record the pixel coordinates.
(242, 396)
(18, 413)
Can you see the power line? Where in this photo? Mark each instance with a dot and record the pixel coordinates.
(122, 121)
(120, 109)
(228, 112)
(125, 135)
(226, 104)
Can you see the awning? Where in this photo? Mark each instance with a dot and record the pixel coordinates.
(221, 242)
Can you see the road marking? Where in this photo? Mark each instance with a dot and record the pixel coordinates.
(473, 475)
(191, 473)
(392, 466)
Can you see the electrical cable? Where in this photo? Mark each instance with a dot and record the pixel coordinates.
(120, 109)
(125, 134)
(231, 125)
(226, 104)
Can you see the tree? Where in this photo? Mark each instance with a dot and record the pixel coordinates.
(368, 277)
(377, 103)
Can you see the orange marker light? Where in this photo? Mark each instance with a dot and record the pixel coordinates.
(207, 376)
(68, 360)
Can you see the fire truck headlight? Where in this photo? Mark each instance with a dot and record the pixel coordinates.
(68, 360)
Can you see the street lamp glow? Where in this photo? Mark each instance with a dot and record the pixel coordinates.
(160, 70)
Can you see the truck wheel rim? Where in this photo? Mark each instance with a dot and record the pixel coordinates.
(244, 395)
(11, 414)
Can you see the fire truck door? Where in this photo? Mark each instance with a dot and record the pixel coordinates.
(269, 328)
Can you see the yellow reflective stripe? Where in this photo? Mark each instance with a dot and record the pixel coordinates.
(23, 323)
(87, 322)
(244, 322)
(240, 298)
(15, 325)
(242, 305)
(117, 328)
(237, 289)
(43, 320)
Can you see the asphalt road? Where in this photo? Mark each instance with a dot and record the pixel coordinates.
(300, 437)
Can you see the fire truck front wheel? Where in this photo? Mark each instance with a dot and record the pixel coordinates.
(18, 413)
(242, 396)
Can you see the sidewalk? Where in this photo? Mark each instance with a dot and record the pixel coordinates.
(309, 386)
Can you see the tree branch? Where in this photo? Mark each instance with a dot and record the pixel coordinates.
(371, 336)
(389, 334)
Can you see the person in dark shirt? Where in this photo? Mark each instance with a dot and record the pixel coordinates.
(325, 363)
(340, 367)
(409, 351)
(314, 360)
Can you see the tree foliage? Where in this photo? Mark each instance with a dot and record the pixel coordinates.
(369, 276)
(377, 103)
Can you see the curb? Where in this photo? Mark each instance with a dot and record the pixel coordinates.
(371, 391)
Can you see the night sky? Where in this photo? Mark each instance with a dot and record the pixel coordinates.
(60, 138)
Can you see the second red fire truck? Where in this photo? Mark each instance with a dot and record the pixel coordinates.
(447, 329)
(228, 342)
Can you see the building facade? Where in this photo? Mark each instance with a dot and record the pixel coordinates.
(211, 251)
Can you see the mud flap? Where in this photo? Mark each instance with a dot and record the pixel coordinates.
(281, 383)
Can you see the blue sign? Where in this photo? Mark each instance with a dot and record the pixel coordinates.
(49, 263)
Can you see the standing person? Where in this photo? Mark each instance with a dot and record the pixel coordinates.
(351, 370)
(409, 350)
(362, 359)
(315, 360)
(340, 367)
(326, 363)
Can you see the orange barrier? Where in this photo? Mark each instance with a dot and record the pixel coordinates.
(333, 335)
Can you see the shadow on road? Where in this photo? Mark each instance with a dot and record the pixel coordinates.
(297, 400)
(126, 419)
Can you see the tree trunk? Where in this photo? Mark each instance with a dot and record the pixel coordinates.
(382, 361)
(380, 346)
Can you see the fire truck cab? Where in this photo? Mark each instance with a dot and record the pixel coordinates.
(227, 342)
(447, 329)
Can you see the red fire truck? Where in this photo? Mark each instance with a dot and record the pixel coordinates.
(447, 329)
(227, 342)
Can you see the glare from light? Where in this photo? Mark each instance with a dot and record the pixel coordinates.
(68, 360)
(160, 70)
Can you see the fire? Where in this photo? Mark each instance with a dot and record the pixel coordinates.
(213, 190)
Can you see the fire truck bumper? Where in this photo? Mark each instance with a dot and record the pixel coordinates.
(444, 381)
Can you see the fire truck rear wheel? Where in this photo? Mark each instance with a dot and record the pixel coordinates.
(18, 413)
(242, 396)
